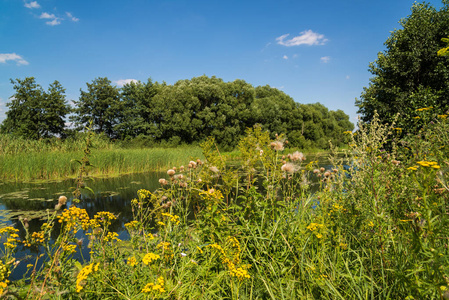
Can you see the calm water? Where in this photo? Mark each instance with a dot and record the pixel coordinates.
(35, 201)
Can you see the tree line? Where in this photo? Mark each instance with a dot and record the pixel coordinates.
(186, 112)
(409, 77)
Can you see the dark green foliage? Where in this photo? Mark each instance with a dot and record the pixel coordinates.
(409, 74)
(34, 113)
(101, 105)
(188, 112)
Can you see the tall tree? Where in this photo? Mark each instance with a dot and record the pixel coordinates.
(101, 105)
(33, 113)
(54, 110)
(409, 75)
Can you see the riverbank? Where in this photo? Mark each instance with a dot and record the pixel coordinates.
(58, 163)
(376, 230)
(54, 165)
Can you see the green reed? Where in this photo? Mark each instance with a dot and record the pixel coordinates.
(60, 165)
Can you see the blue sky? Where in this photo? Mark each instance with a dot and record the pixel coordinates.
(315, 51)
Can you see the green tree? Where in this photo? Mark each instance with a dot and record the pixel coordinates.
(409, 74)
(137, 117)
(101, 104)
(54, 110)
(33, 113)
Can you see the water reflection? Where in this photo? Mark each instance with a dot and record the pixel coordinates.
(36, 201)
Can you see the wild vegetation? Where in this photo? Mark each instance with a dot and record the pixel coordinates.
(412, 72)
(27, 160)
(377, 229)
(153, 114)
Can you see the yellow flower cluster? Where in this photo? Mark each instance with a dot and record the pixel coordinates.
(212, 194)
(173, 218)
(69, 248)
(442, 116)
(423, 163)
(343, 246)
(82, 275)
(151, 287)
(37, 237)
(4, 274)
(347, 132)
(73, 217)
(132, 261)
(12, 239)
(424, 108)
(314, 226)
(3, 286)
(143, 194)
(132, 225)
(164, 245)
(239, 272)
(111, 236)
(432, 164)
(104, 218)
(149, 257)
(8, 229)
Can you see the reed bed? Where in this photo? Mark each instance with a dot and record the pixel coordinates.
(45, 165)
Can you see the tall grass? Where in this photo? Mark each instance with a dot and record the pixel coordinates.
(62, 164)
(378, 230)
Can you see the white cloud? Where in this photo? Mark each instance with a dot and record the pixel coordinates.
(45, 15)
(4, 57)
(71, 17)
(54, 20)
(325, 59)
(122, 82)
(285, 57)
(307, 37)
(32, 4)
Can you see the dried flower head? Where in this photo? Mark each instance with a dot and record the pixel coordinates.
(62, 200)
(322, 169)
(163, 181)
(181, 169)
(193, 164)
(395, 162)
(289, 168)
(297, 156)
(277, 145)
(316, 171)
(171, 172)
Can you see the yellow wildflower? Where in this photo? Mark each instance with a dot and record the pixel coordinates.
(132, 261)
(151, 287)
(149, 257)
(82, 276)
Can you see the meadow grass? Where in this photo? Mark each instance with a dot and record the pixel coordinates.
(377, 228)
(111, 162)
